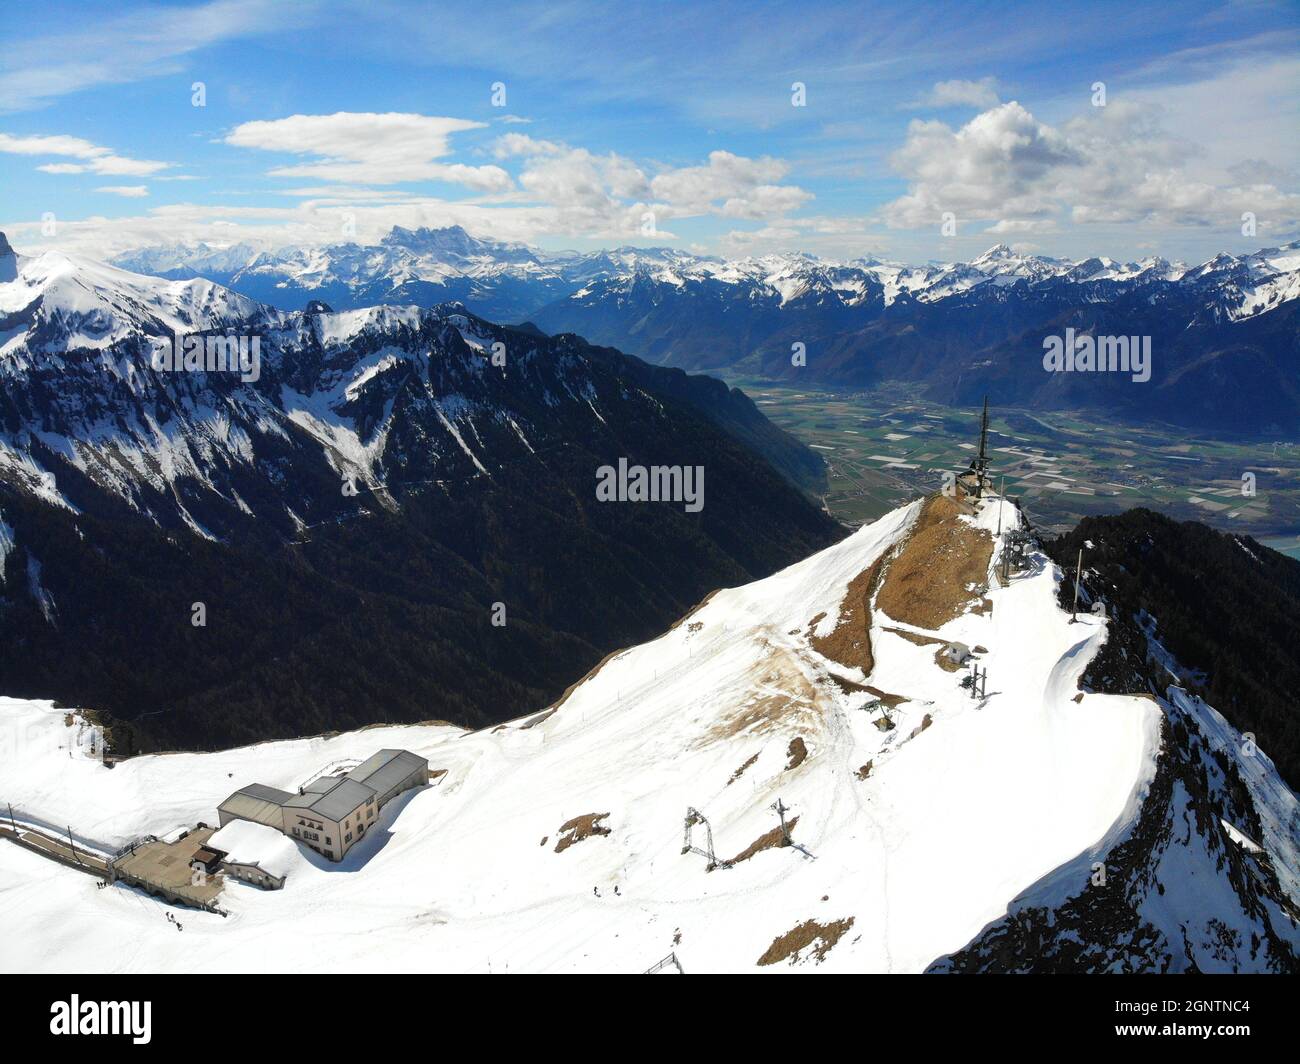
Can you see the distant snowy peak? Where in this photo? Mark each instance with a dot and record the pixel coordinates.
(510, 281)
(1264, 279)
(455, 244)
(8, 261)
(55, 302)
(192, 258)
(1000, 260)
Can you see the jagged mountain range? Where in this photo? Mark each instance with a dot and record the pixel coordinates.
(1223, 333)
(378, 482)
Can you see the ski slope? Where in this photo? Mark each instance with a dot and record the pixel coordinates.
(954, 819)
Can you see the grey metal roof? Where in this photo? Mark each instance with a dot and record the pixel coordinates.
(334, 804)
(386, 769)
(257, 802)
(265, 793)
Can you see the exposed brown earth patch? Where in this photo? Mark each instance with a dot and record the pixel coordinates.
(769, 840)
(926, 721)
(798, 752)
(864, 771)
(579, 828)
(741, 771)
(930, 581)
(849, 687)
(783, 696)
(913, 637)
(850, 643)
(819, 939)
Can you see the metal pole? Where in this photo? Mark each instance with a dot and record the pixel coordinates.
(780, 811)
(1078, 572)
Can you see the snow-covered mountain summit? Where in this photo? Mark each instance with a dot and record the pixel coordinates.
(489, 271)
(640, 816)
(54, 301)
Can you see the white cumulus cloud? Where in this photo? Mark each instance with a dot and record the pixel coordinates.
(1112, 165)
(363, 148)
(980, 94)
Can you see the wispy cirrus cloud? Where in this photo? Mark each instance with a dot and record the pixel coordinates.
(135, 44)
(93, 158)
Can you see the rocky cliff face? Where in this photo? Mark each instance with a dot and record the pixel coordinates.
(387, 474)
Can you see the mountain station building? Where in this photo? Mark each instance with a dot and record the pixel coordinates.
(333, 813)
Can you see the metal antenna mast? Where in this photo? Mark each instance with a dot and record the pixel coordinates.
(982, 462)
(1078, 572)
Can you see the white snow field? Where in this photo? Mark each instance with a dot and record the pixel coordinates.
(951, 823)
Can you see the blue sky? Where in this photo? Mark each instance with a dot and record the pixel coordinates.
(328, 121)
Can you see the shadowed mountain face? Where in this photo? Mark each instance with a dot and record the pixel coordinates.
(380, 523)
(1226, 607)
(1211, 364)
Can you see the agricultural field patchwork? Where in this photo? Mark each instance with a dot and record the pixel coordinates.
(884, 446)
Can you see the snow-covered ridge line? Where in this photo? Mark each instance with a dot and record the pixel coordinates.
(79, 349)
(910, 839)
(1261, 280)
